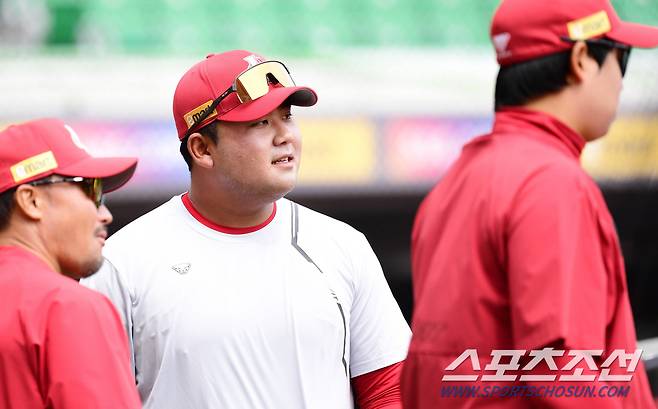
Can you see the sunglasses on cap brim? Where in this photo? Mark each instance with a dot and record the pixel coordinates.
(250, 85)
(622, 56)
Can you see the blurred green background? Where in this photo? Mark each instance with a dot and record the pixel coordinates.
(288, 27)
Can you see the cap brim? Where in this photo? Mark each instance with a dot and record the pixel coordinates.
(635, 35)
(300, 96)
(115, 172)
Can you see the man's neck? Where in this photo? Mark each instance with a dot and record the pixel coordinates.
(225, 210)
(560, 107)
(16, 239)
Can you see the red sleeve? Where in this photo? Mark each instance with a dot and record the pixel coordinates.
(557, 278)
(86, 362)
(379, 389)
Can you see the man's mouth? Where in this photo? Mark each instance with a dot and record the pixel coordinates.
(283, 159)
(101, 234)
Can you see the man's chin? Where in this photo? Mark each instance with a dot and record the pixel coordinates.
(87, 269)
(281, 189)
(284, 192)
(93, 268)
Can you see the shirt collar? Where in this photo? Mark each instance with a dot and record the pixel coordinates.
(521, 120)
(223, 229)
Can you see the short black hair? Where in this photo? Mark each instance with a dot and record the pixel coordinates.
(518, 84)
(209, 131)
(6, 207)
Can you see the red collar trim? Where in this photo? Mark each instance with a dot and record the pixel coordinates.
(522, 120)
(224, 229)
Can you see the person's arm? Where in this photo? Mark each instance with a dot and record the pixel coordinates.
(558, 283)
(379, 334)
(379, 389)
(85, 362)
(559, 286)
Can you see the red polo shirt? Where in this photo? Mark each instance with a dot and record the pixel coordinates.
(515, 249)
(61, 344)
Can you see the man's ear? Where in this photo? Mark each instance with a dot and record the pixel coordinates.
(30, 201)
(579, 63)
(198, 147)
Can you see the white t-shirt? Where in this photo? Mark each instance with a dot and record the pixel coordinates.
(280, 317)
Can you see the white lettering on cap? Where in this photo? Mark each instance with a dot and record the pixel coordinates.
(76, 139)
(501, 41)
(253, 60)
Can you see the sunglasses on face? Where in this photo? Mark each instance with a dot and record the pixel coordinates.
(251, 84)
(623, 50)
(92, 187)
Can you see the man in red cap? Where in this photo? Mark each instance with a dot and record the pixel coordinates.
(62, 345)
(235, 297)
(519, 282)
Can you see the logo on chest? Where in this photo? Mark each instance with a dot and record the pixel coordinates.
(181, 268)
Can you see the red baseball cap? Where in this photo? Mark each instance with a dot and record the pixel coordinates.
(40, 148)
(210, 78)
(522, 30)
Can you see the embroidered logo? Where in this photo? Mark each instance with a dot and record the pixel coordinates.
(501, 41)
(76, 139)
(182, 268)
(253, 59)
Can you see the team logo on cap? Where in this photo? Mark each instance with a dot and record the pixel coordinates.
(253, 59)
(590, 26)
(35, 165)
(75, 138)
(500, 42)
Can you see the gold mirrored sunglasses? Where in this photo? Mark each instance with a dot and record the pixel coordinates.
(251, 84)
